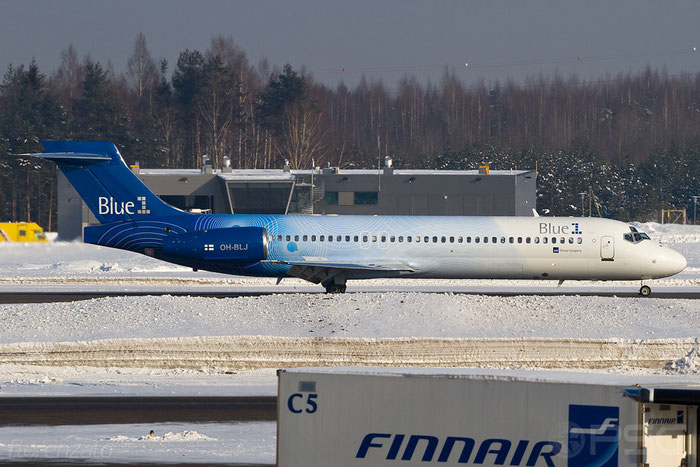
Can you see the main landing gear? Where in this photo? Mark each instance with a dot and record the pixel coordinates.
(645, 291)
(333, 286)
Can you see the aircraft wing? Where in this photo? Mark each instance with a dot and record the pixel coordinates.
(317, 270)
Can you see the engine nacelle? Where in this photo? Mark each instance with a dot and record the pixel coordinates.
(243, 245)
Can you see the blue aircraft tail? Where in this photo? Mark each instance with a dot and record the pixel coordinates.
(98, 173)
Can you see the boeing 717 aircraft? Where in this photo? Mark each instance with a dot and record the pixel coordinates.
(330, 250)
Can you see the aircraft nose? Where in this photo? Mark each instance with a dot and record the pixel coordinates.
(679, 262)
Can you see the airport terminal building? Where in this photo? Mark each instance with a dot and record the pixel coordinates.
(386, 191)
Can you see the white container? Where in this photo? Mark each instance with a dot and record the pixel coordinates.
(376, 417)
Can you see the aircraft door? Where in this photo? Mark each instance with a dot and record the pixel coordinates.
(365, 240)
(383, 240)
(607, 248)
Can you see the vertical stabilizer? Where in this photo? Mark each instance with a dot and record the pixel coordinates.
(99, 175)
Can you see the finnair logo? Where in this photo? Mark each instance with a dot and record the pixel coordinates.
(594, 434)
(209, 247)
(110, 206)
(602, 429)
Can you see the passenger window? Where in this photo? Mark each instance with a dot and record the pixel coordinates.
(486, 239)
(562, 240)
(289, 237)
(305, 238)
(347, 238)
(579, 240)
(459, 239)
(330, 238)
(494, 239)
(339, 238)
(537, 240)
(323, 238)
(417, 239)
(554, 239)
(356, 239)
(469, 239)
(520, 239)
(400, 239)
(383, 238)
(527, 240)
(365, 238)
(571, 240)
(296, 238)
(545, 239)
(392, 239)
(409, 239)
(503, 239)
(477, 239)
(374, 238)
(279, 238)
(452, 239)
(313, 238)
(511, 240)
(426, 239)
(443, 239)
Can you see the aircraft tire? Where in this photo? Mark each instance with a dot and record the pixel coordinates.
(645, 291)
(332, 287)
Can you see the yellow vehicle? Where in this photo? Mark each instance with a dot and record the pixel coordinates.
(21, 232)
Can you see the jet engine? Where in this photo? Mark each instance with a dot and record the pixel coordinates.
(241, 245)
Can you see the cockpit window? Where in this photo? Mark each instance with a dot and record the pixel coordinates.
(636, 236)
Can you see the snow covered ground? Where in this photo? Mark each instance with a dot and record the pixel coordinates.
(249, 442)
(383, 309)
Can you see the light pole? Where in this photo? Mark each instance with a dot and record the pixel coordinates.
(583, 206)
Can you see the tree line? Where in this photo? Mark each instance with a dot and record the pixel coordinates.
(630, 142)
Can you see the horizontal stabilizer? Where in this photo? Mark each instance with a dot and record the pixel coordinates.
(69, 156)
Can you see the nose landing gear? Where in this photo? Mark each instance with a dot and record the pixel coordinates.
(645, 291)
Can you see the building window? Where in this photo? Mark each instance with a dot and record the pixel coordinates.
(331, 197)
(366, 197)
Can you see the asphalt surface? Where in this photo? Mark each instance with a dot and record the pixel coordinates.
(53, 296)
(131, 409)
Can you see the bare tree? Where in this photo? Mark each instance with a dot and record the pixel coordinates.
(142, 70)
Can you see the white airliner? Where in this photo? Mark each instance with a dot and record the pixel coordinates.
(333, 249)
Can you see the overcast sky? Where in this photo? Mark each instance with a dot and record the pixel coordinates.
(378, 38)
